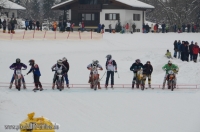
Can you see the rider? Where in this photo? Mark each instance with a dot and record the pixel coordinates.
(111, 67)
(93, 67)
(36, 74)
(66, 64)
(56, 67)
(147, 71)
(135, 68)
(167, 68)
(17, 66)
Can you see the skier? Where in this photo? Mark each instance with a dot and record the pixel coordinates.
(147, 71)
(17, 66)
(66, 64)
(56, 67)
(36, 74)
(111, 67)
(94, 67)
(135, 68)
(167, 68)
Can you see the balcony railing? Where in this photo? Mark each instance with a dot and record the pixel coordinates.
(90, 7)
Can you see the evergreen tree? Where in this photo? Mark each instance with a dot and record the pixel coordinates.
(47, 4)
(35, 8)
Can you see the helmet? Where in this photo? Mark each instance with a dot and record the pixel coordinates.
(18, 60)
(31, 62)
(170, 62)
(95, 62)
(138, 61)
(148, 62)
(64, 59)
(59, 62)
(109, 57)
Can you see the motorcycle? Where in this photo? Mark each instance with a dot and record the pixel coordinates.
(18, 79)
(171, 80)
(59, 80)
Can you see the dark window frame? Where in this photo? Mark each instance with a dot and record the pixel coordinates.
(107, 16)
(136, 17)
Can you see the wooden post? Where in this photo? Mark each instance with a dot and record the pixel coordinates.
(45, 34)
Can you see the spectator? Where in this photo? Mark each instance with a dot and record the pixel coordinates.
(4, 26)
(179, 28)
(83, 26)
(80, 26)
(26, 24)
(144, 28)
(72, 27)
(9, 26)
(64, 25)
(34, 24)
(155, 28)
(195, 28)
(102, 28)
(68, 26)
(147, 28)
(167, 28)
(110, 28)
(168, 55)
(175, 28)
(163, 28)
(183, 27)
(179, 49)
(195, 52)
(187, 51)
(188, 28)
(134, 27)
(54, 26)
(127, 28)
(30, 24)
(152, 28)
(99, 28)
(175, 48)
(12, 22)
(0, 23)
(38, 25)
(60, 26)
(191, 51)
(182, 48)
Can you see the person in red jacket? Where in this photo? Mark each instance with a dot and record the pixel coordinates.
(195, 50)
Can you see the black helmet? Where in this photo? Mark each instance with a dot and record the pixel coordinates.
(148, 62)
(138, 61)
(31, 62)
(109, 57)
(18, 60)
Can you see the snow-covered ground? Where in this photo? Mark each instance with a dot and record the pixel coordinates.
(104, 110)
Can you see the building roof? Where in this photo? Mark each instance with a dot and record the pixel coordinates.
(62, 4)
(11, 5)
(133, 3)
(136, 3)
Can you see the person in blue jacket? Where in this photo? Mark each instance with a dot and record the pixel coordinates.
(36, 74)
(26, 24)
(179, 49)
(17, 66)
(99, 28)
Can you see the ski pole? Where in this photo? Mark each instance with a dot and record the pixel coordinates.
(102, 76)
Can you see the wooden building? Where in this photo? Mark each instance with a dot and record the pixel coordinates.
(93, 12)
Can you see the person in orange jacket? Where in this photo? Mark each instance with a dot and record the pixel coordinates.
(54, 26)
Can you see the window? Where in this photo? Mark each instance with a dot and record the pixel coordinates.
(112, 16)
(136, 17)
(88, 17)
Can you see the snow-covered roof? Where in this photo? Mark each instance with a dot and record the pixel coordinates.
(136, 3)
(63, 3)
(10, 5)
(133, 3)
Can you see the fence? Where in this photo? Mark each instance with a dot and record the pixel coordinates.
(51, 35)
(119, 86)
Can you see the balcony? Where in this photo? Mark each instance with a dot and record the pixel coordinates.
(89, 8)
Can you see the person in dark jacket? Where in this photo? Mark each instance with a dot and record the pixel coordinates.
(175, 48)
(179, 49)
(147, 71)
(111, 67)
(99, 28)
(102, 28)
(147, 28)
(163, 28)
(36, 74)
(38, 25)
(30, 24)
(187, 51)
(135, 68)
(0, 23)
(17, 66)
(188, 28)
(64, 25)
(195, 50)
(191, 51)
(9, 26)
(182, 48)
(175, 28)
(4, 26)
(183, 27)
(66, 64)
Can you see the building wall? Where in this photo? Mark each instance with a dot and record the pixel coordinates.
(126, 16)
(10, 13)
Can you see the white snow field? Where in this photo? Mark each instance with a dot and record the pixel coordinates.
(118, 110)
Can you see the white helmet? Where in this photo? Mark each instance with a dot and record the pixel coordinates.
(64, 59)
(170, 62)
(95, 62)
(59, 62)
